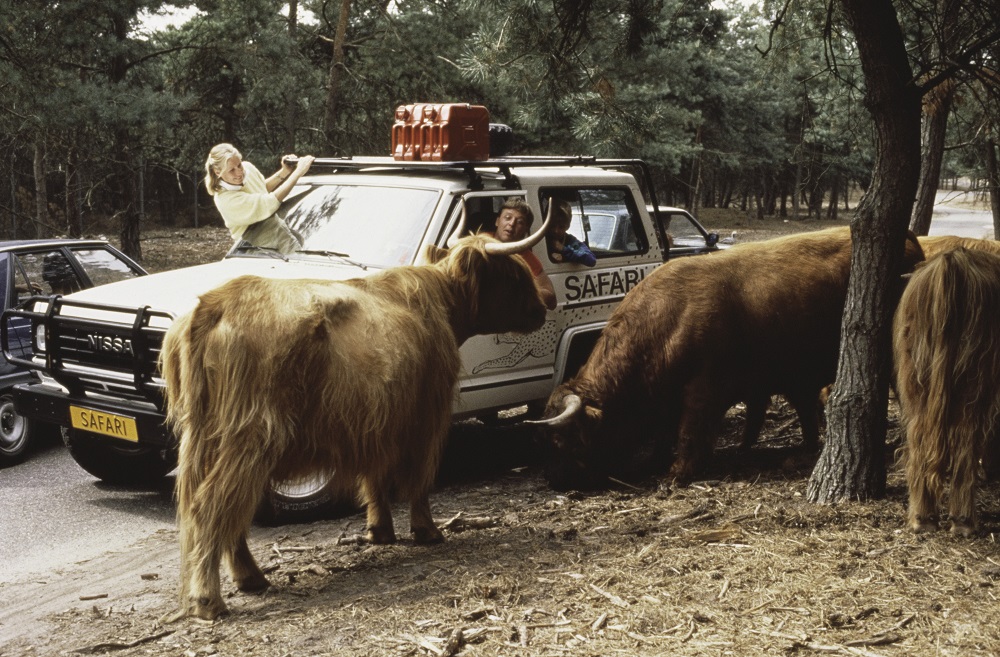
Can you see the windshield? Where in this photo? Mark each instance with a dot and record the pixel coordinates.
(376, 226)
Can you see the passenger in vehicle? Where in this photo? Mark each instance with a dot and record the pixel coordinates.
(564, 247)
(512, 224)
(248, 202)
(59, 274)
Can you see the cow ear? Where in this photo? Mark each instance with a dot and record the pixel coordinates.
(435, 254)
(593, 413)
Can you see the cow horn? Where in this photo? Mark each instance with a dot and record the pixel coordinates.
(572, 405)
(510, 248)
(453, 238)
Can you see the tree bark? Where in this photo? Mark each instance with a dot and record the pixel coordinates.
(993, 184)
(336, 70)
(124, 161)
(128, 194)
(936, 108)
(291, 110)
(831, 210)
(73, 210)
(41, 192)
(852, 463)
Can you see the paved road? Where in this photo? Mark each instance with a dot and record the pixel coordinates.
(952, 217)
(52, 512)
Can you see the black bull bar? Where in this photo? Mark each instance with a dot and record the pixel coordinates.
(115, 355)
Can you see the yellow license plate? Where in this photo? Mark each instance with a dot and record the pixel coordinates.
(116, 426)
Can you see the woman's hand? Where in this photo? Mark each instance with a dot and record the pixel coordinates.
(288, 163)
(303, 163)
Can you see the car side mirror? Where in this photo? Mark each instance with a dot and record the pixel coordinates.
(712, 239)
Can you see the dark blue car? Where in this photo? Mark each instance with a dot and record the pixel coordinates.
(44, 267)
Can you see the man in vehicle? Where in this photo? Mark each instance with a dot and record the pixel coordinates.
(513, 224)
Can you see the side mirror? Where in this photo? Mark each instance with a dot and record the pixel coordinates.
(712, 239)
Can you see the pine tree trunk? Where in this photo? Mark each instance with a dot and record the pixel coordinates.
(831, 210)
(936, 108)
(128, 195)
(291, 110)
(993, 184)
(852, 463)
(123, 167)
(336, 68)
(72, 197)
(41, 193)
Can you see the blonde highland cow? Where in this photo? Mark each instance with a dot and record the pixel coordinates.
(269, 380)
(947, 354)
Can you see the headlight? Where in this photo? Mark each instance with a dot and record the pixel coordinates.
(40, 338)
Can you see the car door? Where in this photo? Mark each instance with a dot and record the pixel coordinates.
(16, 288)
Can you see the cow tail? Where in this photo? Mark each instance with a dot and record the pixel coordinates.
(180, 364)
(938, 345)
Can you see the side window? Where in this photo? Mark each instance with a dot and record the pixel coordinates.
(482, 209)
(683, 232)
(103, 266)
(46, 273)
(605, 219)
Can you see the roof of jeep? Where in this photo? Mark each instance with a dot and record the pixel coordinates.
(501, 172)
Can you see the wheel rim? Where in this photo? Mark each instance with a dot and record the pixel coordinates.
(12, 427)
(303, 488)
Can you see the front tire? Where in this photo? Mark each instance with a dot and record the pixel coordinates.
(118, 462)
(16, 432)
(304, 500)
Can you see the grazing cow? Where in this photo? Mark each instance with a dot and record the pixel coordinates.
(695, 337)
(947, 355)
(270, 380)
(935, 244)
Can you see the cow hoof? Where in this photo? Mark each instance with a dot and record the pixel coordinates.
(207, 608)
(962, 528)
(923, 525)
(681, 476)
(253, 584)
(427, 535)
(381, 536)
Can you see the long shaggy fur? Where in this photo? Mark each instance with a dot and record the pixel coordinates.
(269, 380)
(699, 335)
(947, 354)
(935, 244)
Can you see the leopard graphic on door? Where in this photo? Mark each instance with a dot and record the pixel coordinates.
(538, 344)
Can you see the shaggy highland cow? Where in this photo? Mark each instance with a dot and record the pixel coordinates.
(947, 352)
(271, 380)
(697, 336)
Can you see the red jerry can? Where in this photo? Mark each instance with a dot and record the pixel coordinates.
(406, 132)
(455, 132)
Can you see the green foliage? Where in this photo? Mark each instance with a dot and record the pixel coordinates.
(722, 106)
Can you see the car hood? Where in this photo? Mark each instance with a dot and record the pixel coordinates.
(177, 291)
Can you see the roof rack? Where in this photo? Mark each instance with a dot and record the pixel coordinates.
(472, 168)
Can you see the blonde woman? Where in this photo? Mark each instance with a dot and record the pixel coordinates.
(247, 201)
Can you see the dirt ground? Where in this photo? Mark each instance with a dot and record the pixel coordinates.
(738, 564)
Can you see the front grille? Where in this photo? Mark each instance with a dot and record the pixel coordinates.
(103, 348)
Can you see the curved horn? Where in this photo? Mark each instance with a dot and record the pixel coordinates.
(510, 248)
(573, 405)
(453, 238)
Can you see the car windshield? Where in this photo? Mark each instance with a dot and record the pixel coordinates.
(362, 224)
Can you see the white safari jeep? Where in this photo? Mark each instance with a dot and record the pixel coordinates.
(97, 349)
